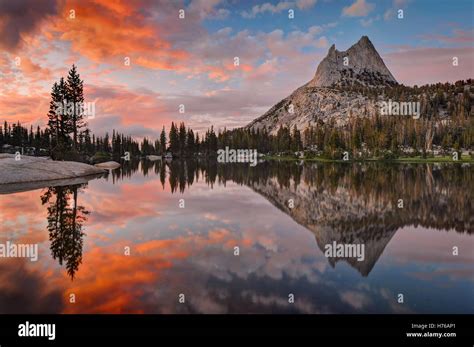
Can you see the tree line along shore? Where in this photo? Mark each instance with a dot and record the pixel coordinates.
(67, 136)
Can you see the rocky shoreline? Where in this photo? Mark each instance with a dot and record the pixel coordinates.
(28, 172)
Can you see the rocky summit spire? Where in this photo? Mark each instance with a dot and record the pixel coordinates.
(359, 64)
(325, 98)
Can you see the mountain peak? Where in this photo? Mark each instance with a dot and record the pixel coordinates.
(314, 102)
(365, 43)
(364, 39)
(361, 63)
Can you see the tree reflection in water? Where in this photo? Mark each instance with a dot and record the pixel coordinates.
(65, 223)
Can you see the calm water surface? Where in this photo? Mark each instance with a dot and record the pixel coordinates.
(84, 233)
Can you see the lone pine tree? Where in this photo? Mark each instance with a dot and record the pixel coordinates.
(75, 96)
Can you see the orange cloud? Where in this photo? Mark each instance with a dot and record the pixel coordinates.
(110, 31)
(111, 282)
(136, 201)
(218, 73)
(24, 108)
(34, 71)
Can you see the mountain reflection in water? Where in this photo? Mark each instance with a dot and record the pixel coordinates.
(342, 203)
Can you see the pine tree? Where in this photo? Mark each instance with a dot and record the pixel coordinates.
(174, 139)
(75, 98)
(190, 145)
(296, 143)
(197, 143)
(163, 141)
(58, 120)
(212, 138)
(182, 139)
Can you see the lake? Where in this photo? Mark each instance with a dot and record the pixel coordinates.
(202, 237)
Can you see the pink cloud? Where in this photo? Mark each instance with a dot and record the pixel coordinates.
(128, 107)
(360, 8)
(430, 65)
(458, 36)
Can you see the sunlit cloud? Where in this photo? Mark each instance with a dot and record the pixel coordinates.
(224, 71)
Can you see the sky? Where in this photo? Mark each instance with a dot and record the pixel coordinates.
(140, 61)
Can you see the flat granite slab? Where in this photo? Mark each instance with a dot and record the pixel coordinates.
(39, 169)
